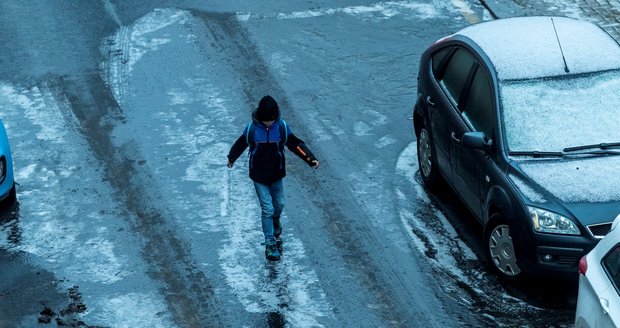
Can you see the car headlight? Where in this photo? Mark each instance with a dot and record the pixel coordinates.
(545, 221)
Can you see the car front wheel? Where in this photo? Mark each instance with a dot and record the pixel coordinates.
(426, 159)
(499, 248)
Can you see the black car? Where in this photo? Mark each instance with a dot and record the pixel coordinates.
(521, 118)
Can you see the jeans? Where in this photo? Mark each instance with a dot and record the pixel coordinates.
(271, 198)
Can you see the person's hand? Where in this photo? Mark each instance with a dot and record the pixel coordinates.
(230, 164)
(314, 164)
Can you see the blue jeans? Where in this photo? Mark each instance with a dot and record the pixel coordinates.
(271, 198)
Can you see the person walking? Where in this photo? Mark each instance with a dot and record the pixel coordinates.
(266, 136)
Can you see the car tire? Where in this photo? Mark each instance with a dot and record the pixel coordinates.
(10, 198)
(499, 248)
(426, 158)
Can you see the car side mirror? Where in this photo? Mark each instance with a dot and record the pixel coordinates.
(476, 140)
(616, 222)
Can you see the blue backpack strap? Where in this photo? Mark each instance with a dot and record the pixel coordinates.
(249, 137)
(283, 131)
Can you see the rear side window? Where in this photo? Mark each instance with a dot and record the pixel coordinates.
(611, 263)
(456, 73)
(479, 107)
(439, 58)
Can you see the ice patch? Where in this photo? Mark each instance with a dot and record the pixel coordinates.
(361, 129)
(381, 10)
(321, 132)
(131, 43)
(40, 108)
(131, 310)
(25, 172)
(374, 117)
(141, 40)
(279, 61)
(385, 141)
(97, 262)
(178, 97)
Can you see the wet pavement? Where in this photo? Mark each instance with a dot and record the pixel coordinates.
(120, 116)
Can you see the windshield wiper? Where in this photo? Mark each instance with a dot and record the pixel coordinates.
(593, 146)
(536, 153)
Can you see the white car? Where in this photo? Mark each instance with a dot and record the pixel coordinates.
(598, 302)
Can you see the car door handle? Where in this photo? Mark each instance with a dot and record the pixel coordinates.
(454, 138)
(604, 305)
(429, 101)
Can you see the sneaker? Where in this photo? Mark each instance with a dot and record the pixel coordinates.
(271, 252)
(279, 244)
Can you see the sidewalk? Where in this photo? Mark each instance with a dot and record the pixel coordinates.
(604, 13)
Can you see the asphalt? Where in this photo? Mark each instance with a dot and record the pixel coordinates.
(44, 285)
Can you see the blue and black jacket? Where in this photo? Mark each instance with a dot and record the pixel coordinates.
(267, 162)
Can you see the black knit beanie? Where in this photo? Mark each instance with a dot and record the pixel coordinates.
(267, 109)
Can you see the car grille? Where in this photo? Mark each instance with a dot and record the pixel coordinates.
(599, 230)
(568, 261)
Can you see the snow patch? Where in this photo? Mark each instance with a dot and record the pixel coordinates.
(135, 309)
(381, 10)
(141, 40)
(40, 108)
(385, 141)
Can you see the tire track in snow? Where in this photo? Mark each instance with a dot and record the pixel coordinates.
(190, 118)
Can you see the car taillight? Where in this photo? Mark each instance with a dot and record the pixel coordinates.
(583, 265)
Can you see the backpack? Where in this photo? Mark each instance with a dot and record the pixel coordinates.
(249, 138)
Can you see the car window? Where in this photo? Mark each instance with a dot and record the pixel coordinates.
(611, 263)
(479, 107)
(438, 59)
(456, 73)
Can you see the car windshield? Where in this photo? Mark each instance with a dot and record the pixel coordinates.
(555, 113)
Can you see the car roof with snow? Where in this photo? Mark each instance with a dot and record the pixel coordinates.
(528, 47)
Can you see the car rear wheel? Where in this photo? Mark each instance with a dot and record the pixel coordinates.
(499, 248)
(426, 158)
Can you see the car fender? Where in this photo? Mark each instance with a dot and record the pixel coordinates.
(497, 200)
(420, 115)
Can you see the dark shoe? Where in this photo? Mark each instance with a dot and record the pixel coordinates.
(271, 252)
(279, 243)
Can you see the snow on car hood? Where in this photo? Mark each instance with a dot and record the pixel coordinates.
(593, 180)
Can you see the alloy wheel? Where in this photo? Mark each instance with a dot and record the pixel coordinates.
(424, 153)
(502, 251)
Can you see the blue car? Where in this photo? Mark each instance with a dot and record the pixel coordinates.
(7, 182)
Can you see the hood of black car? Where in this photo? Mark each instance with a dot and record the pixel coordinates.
(589, 188)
